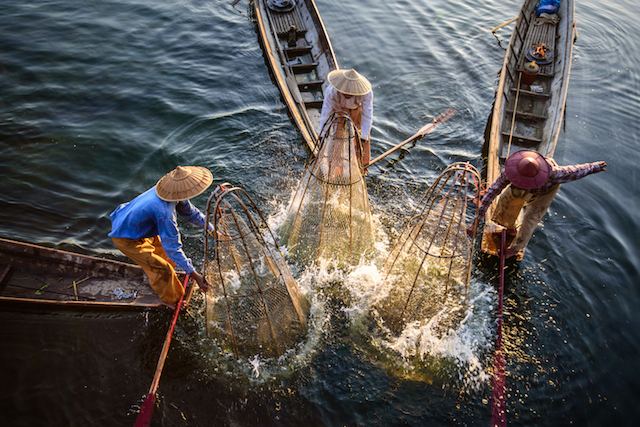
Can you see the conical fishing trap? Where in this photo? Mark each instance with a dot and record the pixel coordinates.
(255, 306)
(329, 215)
(433, 255)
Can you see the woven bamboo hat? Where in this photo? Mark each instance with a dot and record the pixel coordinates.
(349, 82)
(527, 169)
(183, 183)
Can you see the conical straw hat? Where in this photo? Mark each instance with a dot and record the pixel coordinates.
(349, 82)
(183, 183)
(527, 169)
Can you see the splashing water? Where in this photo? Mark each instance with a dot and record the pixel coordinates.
(439, 350)
(450, 348)
(256, 364)
(455, 356)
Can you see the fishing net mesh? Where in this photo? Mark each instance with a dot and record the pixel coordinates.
(431, 261)
(255, 306)
(329, 215)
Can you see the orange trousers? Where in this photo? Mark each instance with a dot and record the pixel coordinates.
(149, 254)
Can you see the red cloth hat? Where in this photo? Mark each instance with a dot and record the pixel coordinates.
(527, 169)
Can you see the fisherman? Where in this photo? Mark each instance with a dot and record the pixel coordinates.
(145, 229)
(531, 180)
(350, 92)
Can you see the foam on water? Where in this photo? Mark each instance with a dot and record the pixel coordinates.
(455, 356)
(451, 349)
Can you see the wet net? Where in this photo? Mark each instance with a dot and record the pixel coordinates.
(329, 215)
(255, 306)
(431, 261)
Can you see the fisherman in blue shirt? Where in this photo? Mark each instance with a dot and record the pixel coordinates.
(146, 229)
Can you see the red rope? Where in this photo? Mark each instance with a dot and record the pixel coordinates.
(498, 398)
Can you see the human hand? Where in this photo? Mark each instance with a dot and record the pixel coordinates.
(202, 284)
(603, 164)
(472, 230)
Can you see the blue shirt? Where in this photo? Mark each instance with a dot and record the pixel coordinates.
(149, 216)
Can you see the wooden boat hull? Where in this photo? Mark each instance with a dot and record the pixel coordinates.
(299, 69)
(50, 278)
(539, 106)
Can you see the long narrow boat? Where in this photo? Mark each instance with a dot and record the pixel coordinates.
(539, 105)
(299, 55)
(43, 277)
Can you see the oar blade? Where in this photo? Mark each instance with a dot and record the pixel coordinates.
(442, 117)
(146, 411)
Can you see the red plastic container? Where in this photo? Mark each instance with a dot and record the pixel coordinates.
(529, 72)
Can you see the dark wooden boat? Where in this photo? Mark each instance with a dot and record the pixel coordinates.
(539, 105)
(44, 277)
(299, 55)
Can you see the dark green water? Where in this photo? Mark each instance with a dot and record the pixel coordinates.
(98, 99)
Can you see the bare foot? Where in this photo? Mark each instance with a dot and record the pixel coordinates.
(509, 253)
(183, 305)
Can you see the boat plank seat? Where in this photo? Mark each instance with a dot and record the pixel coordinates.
(504, 154)
(540, 74)
(526, 116)
(524, 141)
(282, 22)
(313, 104)
(531, 93)
(303, 68)
(309, 86)
(293, 52)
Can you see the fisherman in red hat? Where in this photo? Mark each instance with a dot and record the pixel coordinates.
(146, 229)
(531, 180)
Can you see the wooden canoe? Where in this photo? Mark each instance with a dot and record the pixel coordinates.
(539, 106)
(299, 56)
(44, 277)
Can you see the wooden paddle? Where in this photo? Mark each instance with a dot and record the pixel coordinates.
(146, 410)
(498, 414)
(443, 117)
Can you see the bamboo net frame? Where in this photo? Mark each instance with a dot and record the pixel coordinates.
(433, 256)
(254, 306)
(329, 215)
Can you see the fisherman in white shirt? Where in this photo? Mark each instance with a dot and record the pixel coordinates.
(351, 93)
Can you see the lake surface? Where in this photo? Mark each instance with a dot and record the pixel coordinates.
(99, 99)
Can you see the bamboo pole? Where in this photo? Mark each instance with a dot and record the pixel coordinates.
(494, 29)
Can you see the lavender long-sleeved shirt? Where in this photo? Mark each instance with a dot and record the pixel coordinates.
(558, 175)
